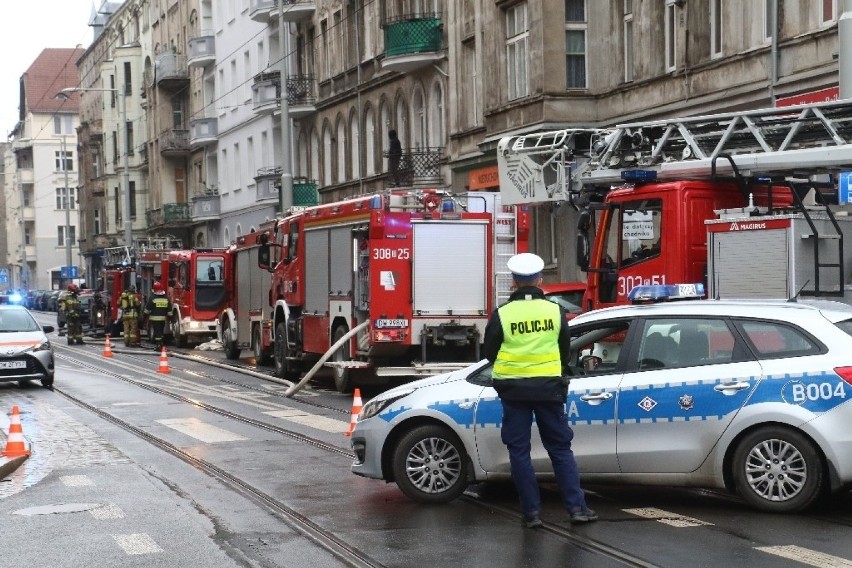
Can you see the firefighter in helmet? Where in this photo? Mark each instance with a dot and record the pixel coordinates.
(156, 311)
(72, 310)
(129, 303)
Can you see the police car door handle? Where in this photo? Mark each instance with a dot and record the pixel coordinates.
(731, 388)
(597, 398)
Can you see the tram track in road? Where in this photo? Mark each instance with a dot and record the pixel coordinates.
(593, 546)
(292, 434)
(323, 538)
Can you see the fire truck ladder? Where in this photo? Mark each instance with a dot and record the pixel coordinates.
(549, 161)
(117, 256)
(786, 145)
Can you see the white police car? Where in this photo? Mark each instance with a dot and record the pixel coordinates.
(749, 396)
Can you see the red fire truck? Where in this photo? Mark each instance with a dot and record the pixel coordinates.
(242, 320)
(409, 273)
(745, 182)
(118, 274)
(196, 287)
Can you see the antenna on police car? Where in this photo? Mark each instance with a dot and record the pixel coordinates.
(796, 297)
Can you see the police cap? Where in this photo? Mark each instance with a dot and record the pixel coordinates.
(525, 266)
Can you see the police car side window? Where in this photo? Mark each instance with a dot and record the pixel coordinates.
(668, 343)
(774, 339)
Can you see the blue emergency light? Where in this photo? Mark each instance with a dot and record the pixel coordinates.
(15, 298)
(639, 175)
(652, 293)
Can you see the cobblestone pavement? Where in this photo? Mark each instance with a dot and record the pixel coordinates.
(56, 440)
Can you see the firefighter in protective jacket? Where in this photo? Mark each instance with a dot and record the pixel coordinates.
(72, 310)
(129, 303)
(156, 312)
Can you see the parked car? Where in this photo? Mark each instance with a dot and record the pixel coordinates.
(569, 295)
(53, 300)
(746, 396)
(27, 353)
(41, 304)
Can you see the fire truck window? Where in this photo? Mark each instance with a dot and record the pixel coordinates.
(293, 241)
(606, 287)
(640, 230)
(209, 270)
(182, 275)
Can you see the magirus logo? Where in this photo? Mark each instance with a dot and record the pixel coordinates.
(747, 226)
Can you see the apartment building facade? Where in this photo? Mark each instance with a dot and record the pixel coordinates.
(451, 77)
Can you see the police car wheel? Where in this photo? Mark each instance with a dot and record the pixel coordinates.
(778, 470)
(430, 464)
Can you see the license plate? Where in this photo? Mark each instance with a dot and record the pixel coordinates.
(382, 323)
(13, 364)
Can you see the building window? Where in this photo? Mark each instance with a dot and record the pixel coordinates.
(64, 161)
(128, 83)
(116, 201)
(517, 35)
(132, 187)
(129, 141)
(575, 44)
(96, 221)
(63, 124)
(60, 233)
(628, 41)
(767, 21)
(62, 196)
(715, 28)
(96, 165)
(115, 148)
(827, 11)
(670, 36)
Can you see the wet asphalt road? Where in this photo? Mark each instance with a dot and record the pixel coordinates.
(93, 492)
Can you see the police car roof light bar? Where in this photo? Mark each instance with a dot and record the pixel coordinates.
(654, 293)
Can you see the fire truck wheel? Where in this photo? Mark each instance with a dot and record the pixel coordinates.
(231, 350)
(283, 368)
(178, 337)
(342, 376)
(261, 356)
(430, 464)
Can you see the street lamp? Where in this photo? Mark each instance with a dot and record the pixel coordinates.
(128, 223)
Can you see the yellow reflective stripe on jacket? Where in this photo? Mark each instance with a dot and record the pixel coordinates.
(530, 345)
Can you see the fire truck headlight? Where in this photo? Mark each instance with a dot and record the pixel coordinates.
(381, 402)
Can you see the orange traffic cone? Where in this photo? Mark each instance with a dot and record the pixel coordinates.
(164, 362)
(15, 446)
(107, 347)
(356, 410)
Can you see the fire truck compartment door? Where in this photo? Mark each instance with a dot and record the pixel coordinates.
(750, 264)
(450, 268)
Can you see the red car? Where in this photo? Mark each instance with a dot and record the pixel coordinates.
(569, 295)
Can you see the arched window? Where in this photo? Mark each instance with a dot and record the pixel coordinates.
(437, 120)
(314, 173)
(419, 133)
(303, 156)
(328, 154)
(401, 116)
(341, 150)
(238, 230)
(370, 141)
(354, 145)
(227, 240)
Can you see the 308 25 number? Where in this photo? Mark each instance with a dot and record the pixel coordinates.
(388, 253)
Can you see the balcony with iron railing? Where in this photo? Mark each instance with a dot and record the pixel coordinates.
(413, 41)
(301, 95)
(171, 71)
(206, 207)
(267, 181)
(202, 49)
(174, 142)
(203, 131)
(262, 10)
(265, 91)
(169, 215)
(298, 10)
(417, 168)
(305, 193)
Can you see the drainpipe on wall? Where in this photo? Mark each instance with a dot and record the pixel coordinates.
(773, 52)
(286, 196)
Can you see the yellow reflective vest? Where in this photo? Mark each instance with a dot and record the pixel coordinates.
(530, 345)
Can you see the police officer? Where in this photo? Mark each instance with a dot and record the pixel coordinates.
(72, 310)
(129, 303)
(527, 339)
(156, 311)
